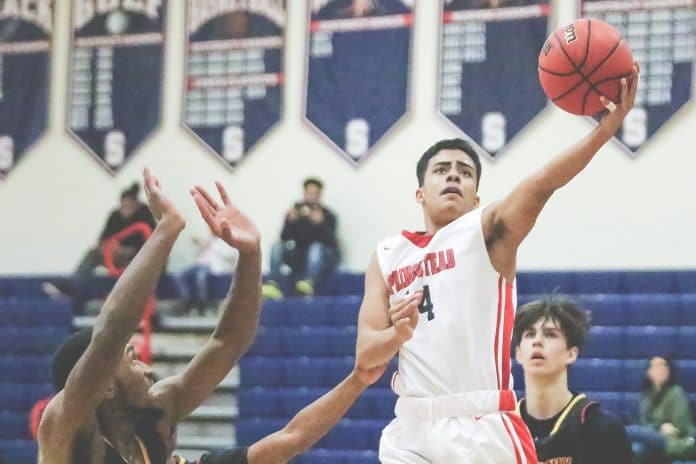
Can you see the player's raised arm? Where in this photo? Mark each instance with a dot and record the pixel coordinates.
(379, 340)
(119, 318)
(507, 223)
(239, 310)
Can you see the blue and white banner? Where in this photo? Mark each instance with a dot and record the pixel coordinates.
(662, 37)
(488, 82)
(234, 73)
(358, 71)
(115, 76)
(25, 45)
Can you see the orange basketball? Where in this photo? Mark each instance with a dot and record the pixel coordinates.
(582, 61)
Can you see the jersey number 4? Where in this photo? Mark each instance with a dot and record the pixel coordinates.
(426, 304)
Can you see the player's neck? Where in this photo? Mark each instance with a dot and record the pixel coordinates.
(117, 424)
(432, 226)
(546, 396)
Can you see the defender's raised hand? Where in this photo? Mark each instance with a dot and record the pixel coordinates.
(159, 204)
(226, 221)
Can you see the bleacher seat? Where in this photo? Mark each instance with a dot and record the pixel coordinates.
(35, 311)
(362, 434)
(661, 309)
(685, 281)
(346, 310)
(642, 342)
(14, 425)
(18, 451)
(633, 374)
(687, 309)
(605, 310)
(269, 402)
(604, 342)
(15, 396)
(302, 371)
(589, 375)
(649, 282)
(686, 342)
(686, 373)
(31, 340)
(25, 368)
(309, 311)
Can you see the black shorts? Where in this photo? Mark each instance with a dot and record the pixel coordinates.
(230, 456)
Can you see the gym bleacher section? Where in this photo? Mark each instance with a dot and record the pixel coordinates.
(306, 346)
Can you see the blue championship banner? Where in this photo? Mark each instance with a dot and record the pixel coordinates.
(234, 77)
(662, 37)
(25, 42)
(115, 76)
(357, 75)
(489, 87)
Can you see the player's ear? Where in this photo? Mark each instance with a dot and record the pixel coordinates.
(477, 200)
(573, 354)
(518, 356)
(419, 195)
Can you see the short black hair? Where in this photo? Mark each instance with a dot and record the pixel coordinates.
(313, 181)
(131, 192)
(447, 144)
(66, 356)
(573, 320)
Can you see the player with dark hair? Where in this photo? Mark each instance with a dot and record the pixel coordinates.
(456, 400)
(566, 425)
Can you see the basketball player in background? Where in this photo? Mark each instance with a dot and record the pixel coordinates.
(454, 384)
(566, 426)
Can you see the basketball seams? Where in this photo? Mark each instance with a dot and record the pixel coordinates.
(592, 86)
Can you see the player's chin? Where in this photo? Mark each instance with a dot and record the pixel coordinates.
(452, 208)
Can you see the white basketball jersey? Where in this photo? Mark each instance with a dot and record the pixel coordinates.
(462, 341)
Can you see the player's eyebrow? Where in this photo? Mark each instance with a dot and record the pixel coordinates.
(447, 164)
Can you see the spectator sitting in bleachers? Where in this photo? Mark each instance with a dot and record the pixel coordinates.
(666, 430)
(214, 257)
(308, 244)
(129, 212)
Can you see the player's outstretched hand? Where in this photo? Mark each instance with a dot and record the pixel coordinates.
(404, 316)
(616, 112)
(160, 206)
(226, 221)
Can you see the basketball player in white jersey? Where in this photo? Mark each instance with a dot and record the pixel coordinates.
(454, 384)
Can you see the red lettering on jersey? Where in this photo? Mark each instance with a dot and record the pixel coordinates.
(393, 281)
(431, 264)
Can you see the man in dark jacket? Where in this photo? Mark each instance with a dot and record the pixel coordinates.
(308, 244)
